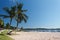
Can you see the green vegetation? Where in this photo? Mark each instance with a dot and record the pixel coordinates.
(14, 12)
(7, 26)
(10, 12)
(20, 16)
(4, 37)
(1, 23)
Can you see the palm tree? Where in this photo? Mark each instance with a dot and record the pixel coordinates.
(1, 23)
(20, 16)
(7, 26)
(11, 13)
(17, 12)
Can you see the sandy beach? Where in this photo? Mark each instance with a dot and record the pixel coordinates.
(36, 36)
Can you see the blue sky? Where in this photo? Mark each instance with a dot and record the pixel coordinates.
(41, 13)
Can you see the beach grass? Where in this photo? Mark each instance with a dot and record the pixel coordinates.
(3, 36)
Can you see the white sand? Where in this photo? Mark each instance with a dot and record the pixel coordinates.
(36, 36)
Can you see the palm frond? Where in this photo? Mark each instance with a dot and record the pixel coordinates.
(13, 8)
(25, 16)
(25, 20)
(19, 6)
(23, 10)
(6, 9)
(4, 16)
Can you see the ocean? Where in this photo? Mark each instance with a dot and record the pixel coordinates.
(41, 30)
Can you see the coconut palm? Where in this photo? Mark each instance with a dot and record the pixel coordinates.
(1, 23)
(17, 12)
(11, 13)
(7, 26)
(20, 16)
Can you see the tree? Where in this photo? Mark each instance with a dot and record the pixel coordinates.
(20, 16)
(16, 12)
(1, 23)
(11, 13)
(7, 26)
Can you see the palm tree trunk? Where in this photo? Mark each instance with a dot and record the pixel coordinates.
(17, 25)
(3, 24)
(10, 21)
